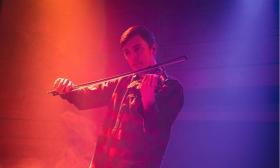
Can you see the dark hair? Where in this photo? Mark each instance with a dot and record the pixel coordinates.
(142, 31)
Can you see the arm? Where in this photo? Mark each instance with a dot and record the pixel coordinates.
(168, 103)
(90, 96)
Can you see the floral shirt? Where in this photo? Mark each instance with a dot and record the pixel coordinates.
(131, 136)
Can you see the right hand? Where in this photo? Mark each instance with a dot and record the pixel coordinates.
(63, 85)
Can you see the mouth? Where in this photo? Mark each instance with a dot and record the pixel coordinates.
(138, 64)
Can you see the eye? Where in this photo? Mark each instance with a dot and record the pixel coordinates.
(126, 52)
(137, 48)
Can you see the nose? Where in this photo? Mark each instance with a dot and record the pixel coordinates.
(132, 57)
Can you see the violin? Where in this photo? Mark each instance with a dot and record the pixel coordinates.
(140, 71)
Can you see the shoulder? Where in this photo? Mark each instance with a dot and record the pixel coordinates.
(172, 84)
(171, 88)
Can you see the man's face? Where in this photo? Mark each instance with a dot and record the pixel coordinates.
(138, 53)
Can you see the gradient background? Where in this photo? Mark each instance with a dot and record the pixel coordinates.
(230, 118)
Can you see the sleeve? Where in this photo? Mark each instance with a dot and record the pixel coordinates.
(91, 96)
(163, 112)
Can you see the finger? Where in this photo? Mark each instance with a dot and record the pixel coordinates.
(61, 85)
(64, 85)
(65, 82)
(58, 85)
(154, 80)
(69, 87)
(150, 80)
(56, 82)
(144, 80)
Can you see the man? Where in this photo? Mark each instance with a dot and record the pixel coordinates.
(141, 108)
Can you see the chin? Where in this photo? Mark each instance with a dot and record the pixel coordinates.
(136, 67)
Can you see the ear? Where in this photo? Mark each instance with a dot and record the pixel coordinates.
(154, 49)
(125, 57)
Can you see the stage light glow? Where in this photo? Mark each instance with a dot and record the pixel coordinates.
(50, 39)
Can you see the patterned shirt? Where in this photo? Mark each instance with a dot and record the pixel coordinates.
(132, 136)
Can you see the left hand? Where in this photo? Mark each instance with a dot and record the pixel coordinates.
(148, 88)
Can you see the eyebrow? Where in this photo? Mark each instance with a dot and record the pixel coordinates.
(136, 45)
